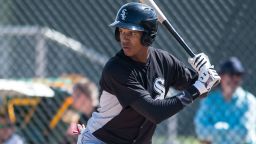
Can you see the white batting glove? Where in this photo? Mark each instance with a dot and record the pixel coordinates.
(207, 79)
(200, 62)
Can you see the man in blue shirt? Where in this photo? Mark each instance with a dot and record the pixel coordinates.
(228, 114)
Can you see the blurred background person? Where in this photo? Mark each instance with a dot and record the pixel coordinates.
(85, 97)
(85, 100)
(75, 98)
(228, 115)
(7, 131)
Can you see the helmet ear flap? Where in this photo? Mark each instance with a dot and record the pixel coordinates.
(148, 38)
(150, 32)
(117, 35)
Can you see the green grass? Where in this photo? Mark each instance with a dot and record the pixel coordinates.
(177, 140)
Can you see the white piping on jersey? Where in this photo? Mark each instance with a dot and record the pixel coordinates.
(109, 108)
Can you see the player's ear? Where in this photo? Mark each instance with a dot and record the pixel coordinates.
(117, 34)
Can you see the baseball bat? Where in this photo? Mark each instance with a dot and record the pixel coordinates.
(164, 21)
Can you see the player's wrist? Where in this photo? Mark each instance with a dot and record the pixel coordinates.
(188, 96)
(193, 92)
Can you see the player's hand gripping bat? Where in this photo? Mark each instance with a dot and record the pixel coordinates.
(164, 21)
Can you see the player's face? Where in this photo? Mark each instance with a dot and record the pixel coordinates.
(131, 42)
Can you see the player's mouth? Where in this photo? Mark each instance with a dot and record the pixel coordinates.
(126, 47)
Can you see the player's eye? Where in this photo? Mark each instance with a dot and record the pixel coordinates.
(128, 33)
(134, 33)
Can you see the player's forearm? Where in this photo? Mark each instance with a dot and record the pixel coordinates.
(159, 110)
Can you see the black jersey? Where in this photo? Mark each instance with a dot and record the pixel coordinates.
(125, 81)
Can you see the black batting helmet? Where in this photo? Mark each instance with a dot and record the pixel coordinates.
(137, 16)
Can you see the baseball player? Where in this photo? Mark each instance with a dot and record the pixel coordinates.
(135, 81)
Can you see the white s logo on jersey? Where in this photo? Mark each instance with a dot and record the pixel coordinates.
(159, 88)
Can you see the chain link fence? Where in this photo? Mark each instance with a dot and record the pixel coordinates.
(40, 41)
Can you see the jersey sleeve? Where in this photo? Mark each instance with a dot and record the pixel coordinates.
(121, 83)
(157, 110)
(179, 76)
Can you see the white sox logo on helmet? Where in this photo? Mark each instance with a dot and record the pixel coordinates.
(123, 14)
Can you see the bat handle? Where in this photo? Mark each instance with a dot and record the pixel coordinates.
(170, 28)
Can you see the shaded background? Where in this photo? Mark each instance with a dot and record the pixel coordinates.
(51, 37)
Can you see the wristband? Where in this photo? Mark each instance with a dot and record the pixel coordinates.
(188, 96)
